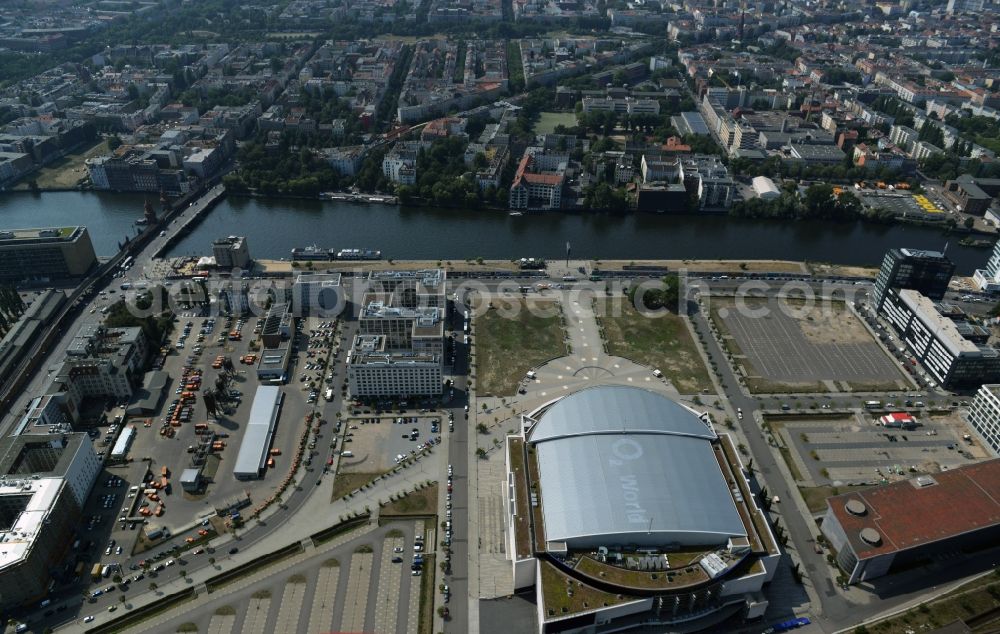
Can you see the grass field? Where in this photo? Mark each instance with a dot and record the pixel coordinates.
(547, 121)
(977, 597)
(423, 502)
(344, 483)
(506, 348)
(67, 171)
(815, 497)
(426, 624)
(664, 343)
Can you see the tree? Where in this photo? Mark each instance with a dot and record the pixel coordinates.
(114, 142)
(667, 296)
(969, 222)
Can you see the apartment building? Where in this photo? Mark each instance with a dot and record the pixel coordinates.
(709, 178)
(400, 163)
(539, 189)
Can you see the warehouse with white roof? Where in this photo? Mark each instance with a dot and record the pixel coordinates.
(264, 412)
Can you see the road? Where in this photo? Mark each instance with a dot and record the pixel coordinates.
(458, 457)
(835, 608)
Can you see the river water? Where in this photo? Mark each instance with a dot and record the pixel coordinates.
(273, 227)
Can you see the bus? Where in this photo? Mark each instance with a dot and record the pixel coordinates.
(873, 404)
(127, 262)
(95, 572)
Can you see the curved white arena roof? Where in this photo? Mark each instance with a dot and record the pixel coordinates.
(621, 465)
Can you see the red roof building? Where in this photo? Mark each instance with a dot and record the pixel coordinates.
(889, 526)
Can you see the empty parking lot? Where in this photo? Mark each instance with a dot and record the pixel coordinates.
(797, 344)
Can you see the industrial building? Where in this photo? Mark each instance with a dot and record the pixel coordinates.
(23, 332)
(124, 443)
(375, 371)
(232, 252)
(603, 486)
(318, 295)
(899, 525)
(952, 350)
(264, 411)
(984, 415)
(272, 364)
(45, 254)
(44, 483)
(926, 271)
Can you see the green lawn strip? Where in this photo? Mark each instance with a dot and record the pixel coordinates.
(422, 502)
(511, 342)
(345, 483)
(664, 343)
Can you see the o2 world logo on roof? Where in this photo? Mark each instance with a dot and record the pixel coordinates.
(624, 451)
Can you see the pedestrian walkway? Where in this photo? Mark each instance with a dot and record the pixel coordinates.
(389, 581)
(356, 604)
(221, 624)
(321, 617)
(256, 618)
(291, 606)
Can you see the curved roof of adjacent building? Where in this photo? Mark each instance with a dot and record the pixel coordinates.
(622, 465)
(616, 409)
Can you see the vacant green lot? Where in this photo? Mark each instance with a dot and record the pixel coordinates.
(547, 121)
(67, 171)
(508, 345)
(423, 502)
(974, 598)
(344, 483)
(664, 343)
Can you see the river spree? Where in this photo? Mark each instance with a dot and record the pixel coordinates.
(273, 227)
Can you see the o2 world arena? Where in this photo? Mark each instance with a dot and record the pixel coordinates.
(625, 509)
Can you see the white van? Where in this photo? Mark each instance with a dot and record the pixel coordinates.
(657, 374)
